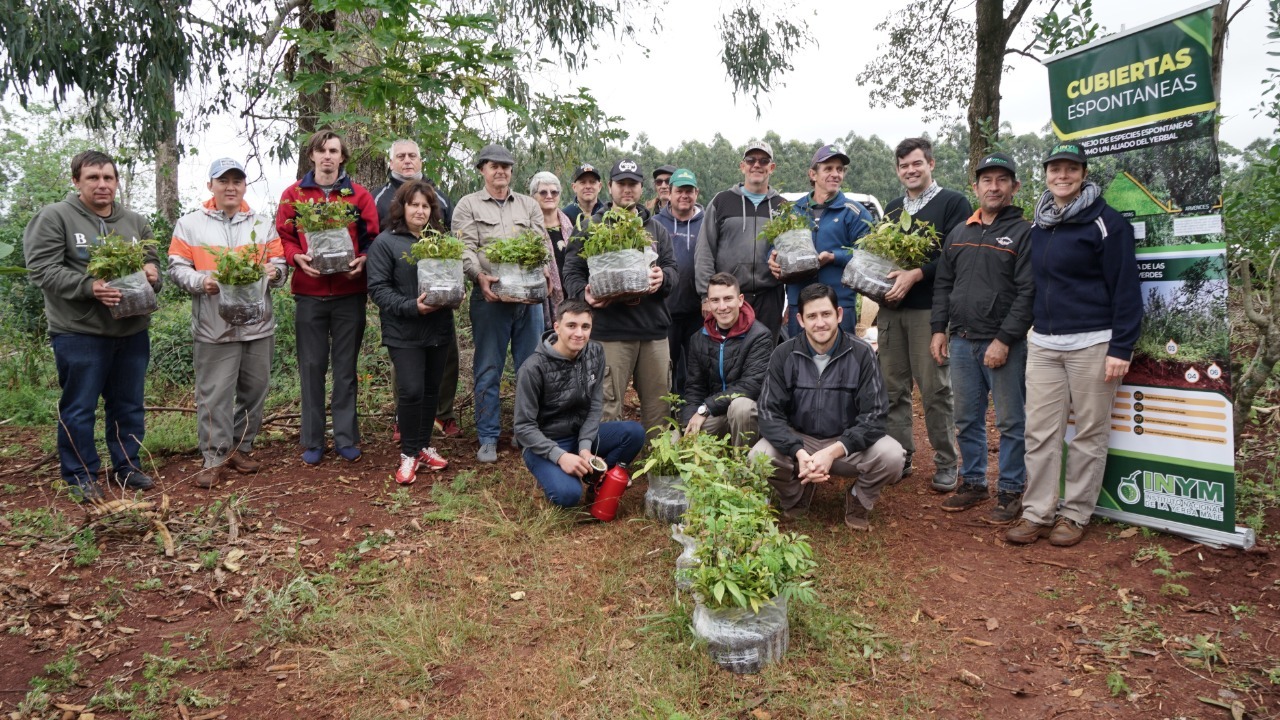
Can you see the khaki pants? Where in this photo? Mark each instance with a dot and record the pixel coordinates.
(870, 470)
(649, 362)
(739, 423)
(232, 380)
(904, 338)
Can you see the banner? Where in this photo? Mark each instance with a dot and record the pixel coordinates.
(1141, 107)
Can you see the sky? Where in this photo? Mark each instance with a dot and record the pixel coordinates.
(820, 98)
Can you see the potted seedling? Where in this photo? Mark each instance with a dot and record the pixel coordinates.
(242, 285)
(900, 245)
(324, 224)
(439, 260)
(615, 250)
(120, 263)
(791, 234)
(519, 263)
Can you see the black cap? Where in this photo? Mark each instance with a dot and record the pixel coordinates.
(585, 169)
(996, 160)
(626, 169)
(1066, 151)
(664, 170)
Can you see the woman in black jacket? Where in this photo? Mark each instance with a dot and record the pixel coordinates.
(416, 335)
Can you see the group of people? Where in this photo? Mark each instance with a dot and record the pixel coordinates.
(1039, 317)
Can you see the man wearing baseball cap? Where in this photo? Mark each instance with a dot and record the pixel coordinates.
(586, 195)
(982, 296)
(492, 213)
(661, 188)
(633, 333)
(232, 362)
(682, 218)
(730, 238)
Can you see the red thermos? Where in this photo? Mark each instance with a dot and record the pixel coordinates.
(611, 487)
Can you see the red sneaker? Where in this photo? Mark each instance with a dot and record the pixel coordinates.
(395, 432)
(448, 428)
(407, 473)
(429, 459)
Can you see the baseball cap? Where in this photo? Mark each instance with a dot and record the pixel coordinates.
(494, 153)
(683, 177)
(664, 170)
(758, 145)
(626, 169)
(585, 169)
(826, 152)
(222, 166)
(1066, 151)
(996, 160)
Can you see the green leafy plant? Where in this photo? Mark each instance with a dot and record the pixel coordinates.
(787, 219)
(618, 229)
(435, 246)
(906, 242)
(87, 551)
(1116, 684)
(313, 216)
(114, 257)
(241, 266)
(528, 250)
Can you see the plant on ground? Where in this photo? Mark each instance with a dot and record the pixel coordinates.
(284, 611)
(86, 543)
(209, 560)
(618, 229)
(786, 219)
(1204, 650)
(112, 698)
(32, 525)
(148, 585)
(114, 257)
(61, 674)
(241, 266)
(1116, 684)
(434, 245)
(906, 242)
(1165, 571)
(399, 500)
(193, 698)
(313, 216)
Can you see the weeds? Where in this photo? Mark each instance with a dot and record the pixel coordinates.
(1116, 684)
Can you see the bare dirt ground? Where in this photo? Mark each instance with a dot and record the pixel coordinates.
(325, 593)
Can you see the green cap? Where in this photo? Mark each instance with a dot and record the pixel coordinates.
(683, 177)
(1067, 151)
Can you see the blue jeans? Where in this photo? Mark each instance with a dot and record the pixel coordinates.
(971, 382)
(618, 441)
(495, 326)
(115, 369)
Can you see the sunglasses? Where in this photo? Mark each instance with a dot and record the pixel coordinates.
(549, 193)
(757, 160)
(662, 181)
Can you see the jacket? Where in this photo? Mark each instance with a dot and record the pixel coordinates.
(729, 241)
(644, 319)
(1086, 278)
(383, 196)
(684, 298)
(837, 228)
(393, 286)
(983, 288)
(198, 238)
(478, 220)
(725, 365)
(577, 215)
(55, 245)
(945, 211)
(558, 397)
(847, 401)
(363, 230)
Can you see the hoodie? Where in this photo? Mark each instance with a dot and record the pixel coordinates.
(56, 244)
(363, 230)
(729, 241)
(726, 365)
(559, 397)
(684, 298)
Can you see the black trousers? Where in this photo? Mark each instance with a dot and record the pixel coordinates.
(768, 306)
(418, 373)
(329, 329)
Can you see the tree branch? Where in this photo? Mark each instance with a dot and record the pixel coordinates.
(1015, 16)
(278, 24)
(1243, 5)
(1023, 52)
(1250, 312)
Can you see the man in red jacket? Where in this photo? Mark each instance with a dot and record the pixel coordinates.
(330, 314)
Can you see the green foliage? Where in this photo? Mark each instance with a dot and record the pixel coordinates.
(114, 257)
(1194, 315)
(785, 220)
(1116, 684)
(241, 266)
(1203, 649)
(87, 551)
(435, 246)
(906, 242)
(528, 250)
(33, 525)
(758, 48)
(313, 216)
(619, 229)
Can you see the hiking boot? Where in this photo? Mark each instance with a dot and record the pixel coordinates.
(407, 473)
(131, 479)
(1066, 532)
(208, 477)
(966, 497)
(1026, 532)
(350, 453)
(429, 459)
(313, 456)
(1008, 508)
(448, 427)
(855, 514)
(945, 480)
(85, 491)
(242, 463)
(488, 452)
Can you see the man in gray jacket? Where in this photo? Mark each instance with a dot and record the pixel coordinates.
(96, 356)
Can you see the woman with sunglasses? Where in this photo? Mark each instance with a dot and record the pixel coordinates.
(545, 188)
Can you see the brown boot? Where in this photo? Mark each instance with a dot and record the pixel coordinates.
(1026, 532)
(1066, 532)
(855, 514)
(208, 477)
(242, 463)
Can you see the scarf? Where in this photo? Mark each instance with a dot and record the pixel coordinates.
(913, 207)
(404, 178)
(1048, 214)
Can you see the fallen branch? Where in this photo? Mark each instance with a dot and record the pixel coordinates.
(32, 466)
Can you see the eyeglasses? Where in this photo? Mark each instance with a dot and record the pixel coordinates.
(549, 193)
(760, 160)
(662, 181)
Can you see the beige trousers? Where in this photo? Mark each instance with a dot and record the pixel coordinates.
(870, 470)
(739, 423)
(649, 362)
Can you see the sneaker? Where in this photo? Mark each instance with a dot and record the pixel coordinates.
(395, 432)
(85, 491)
(242, 463)
(407, 473)
(131, 479)
(1008, 508)
(351, 453)
(429, 459)
(313, 456)
(906, 468)
(448, 427)
(855, 514)
(1066, 532)
(488, 452)
(945, 480)
(1026, 532)
(208, 477)
(966, 497)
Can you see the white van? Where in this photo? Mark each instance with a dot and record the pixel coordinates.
(869, 202)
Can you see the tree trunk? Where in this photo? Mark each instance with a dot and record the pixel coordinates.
(311, 106)
(992, 32)
(168, 203)
(368, 164)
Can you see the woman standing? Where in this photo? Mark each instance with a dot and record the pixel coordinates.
(1087, 316)
(416, 335)
(545, 188)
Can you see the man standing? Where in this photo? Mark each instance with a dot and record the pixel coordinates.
(232, 362)
(661, 188)
(633, 333)
(904, 332)
(728, 360)
(730, 242)
(682, 219)
(559, 401)
(492, 213)
(96, 355)
(330, 315)
(983, 293)
(586, 196)
(822, 412)
(406, 165)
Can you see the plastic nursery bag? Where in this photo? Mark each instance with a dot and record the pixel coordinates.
(441, 282)
(515, 284)
(243, 304)
(743, 641)
(330, 250)
(686, 562)
(663, 501)
(796, 255)
(138, 296)
(869, 274)
(617, 274)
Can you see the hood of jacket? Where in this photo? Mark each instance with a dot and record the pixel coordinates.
(746, 316)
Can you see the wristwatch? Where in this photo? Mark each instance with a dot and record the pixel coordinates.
(703, 411)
